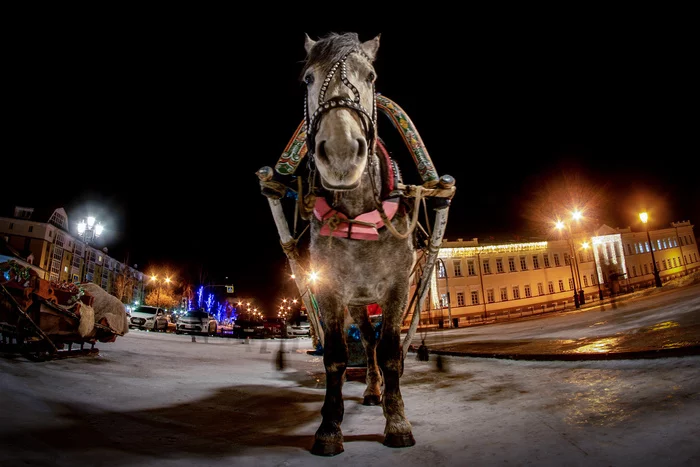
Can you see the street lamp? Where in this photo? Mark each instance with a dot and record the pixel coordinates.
(577, 216)
(644, 217)
(155, 279)
(89, 230)
(577, 303)
(447, 287)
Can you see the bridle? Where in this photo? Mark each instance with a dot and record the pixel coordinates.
(369, 120)
(369, 125)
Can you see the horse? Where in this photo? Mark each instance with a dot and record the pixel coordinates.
(359, 235)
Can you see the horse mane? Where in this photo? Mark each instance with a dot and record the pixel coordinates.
(329, 49)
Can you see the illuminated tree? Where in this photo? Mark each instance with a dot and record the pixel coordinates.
(162, 297)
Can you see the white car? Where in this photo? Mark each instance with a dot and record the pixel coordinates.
(196, 322)
(148, 317)
(299, 328)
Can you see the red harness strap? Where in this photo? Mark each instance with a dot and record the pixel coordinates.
(365, 226)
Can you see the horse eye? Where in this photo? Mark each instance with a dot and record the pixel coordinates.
(371, 77)
(309, 79)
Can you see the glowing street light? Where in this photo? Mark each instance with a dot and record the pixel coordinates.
(576, 215)
(156, 281)
(560, 226)
(89, 229)
(644, 217)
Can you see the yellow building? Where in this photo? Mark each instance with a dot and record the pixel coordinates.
(489, 281)
(43, 239)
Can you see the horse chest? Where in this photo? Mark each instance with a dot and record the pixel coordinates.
(372, 265)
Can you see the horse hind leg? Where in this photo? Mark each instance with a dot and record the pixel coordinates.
(398, 430)
(328, 440)
(373, 391)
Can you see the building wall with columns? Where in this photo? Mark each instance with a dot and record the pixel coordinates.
(489, 280)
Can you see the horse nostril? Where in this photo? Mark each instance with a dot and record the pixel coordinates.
(321, 151)
(361, 147)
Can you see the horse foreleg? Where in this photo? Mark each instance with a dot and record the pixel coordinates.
(398, 429)
(329, 438)
(373, 391)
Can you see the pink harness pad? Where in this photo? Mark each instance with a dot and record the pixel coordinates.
(336, 223)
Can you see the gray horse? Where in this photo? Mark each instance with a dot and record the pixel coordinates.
(359, 260)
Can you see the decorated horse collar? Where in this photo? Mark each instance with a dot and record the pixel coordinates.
(365, 226)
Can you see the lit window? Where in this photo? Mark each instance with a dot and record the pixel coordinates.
(470, 268)
(457, 267)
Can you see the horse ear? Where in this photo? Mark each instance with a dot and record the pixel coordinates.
(308, 43)
(370, 47)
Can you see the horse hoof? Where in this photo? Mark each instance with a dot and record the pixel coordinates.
(399, 440)
(326, 449)
(372, 400)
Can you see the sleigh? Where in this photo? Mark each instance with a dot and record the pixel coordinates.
(43, 320)
(435, 188)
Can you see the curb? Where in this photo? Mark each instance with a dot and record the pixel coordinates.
(642, 354)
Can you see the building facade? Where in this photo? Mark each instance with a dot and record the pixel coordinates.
(474, 282)
(46, 243)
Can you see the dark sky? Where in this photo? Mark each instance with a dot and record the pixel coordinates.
(159, 133)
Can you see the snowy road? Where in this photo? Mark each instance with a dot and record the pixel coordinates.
(159, 399)
(666, 318)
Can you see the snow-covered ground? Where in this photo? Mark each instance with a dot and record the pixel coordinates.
(159, 399)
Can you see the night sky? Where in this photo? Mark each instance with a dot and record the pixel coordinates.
(159, 133)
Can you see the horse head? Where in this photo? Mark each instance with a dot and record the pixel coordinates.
(340, 107)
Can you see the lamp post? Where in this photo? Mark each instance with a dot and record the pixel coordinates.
(155, 279)
(447, 287)
(88, 230)
(577, 216)
(577, 303)
(644, 217)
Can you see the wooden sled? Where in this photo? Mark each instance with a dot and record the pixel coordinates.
(34, 325)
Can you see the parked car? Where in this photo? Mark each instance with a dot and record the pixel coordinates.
(275, 327)
(147, 317)
(300, 327)
(243, 328)
(196, 322)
